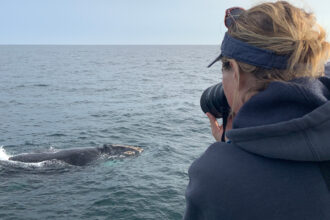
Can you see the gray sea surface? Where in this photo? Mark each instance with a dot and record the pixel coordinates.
(60, 97)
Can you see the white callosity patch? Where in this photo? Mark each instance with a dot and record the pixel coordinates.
(129, 146)
(129, 153)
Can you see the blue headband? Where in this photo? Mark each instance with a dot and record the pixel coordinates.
(250, 54)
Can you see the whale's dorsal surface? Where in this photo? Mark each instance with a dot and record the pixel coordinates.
(79, 156)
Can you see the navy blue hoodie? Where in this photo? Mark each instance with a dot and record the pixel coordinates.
(276, 165)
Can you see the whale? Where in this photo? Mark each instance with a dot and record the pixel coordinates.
(79, 156)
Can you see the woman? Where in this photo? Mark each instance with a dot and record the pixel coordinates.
(274, 163)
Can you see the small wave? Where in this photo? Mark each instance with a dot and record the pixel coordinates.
(99, 115)
(15, 102)
(28, 143)
(41, 85)
(82, 102)
(161, 61)
(57, 135)
(105, 90)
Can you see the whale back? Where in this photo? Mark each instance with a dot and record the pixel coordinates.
(78, 157)
(32, 158)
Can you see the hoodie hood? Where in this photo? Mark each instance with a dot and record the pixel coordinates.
(288, 120)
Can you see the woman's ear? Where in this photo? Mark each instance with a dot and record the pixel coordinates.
(235, 69)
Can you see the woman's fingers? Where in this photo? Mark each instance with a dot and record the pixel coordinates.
(216, 129)
(213, 120)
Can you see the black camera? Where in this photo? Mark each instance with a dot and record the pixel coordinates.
(213, 100)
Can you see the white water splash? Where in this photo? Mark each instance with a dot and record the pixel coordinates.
(41, 165)
(3, 154)
(52, 149)
(5, 158)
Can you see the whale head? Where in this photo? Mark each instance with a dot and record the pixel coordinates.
(120, 150)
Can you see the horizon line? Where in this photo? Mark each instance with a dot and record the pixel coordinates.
(109, 44)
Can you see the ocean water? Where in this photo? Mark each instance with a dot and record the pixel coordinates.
(59, 97)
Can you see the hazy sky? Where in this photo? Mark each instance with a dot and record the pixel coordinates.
(124, 21)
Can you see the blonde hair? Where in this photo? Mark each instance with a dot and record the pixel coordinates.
(286, 30)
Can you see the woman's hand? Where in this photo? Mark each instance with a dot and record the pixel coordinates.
(217, 129)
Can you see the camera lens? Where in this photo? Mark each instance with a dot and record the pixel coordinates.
(213, 100)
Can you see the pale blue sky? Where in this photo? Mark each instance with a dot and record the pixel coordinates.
(124, 21)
